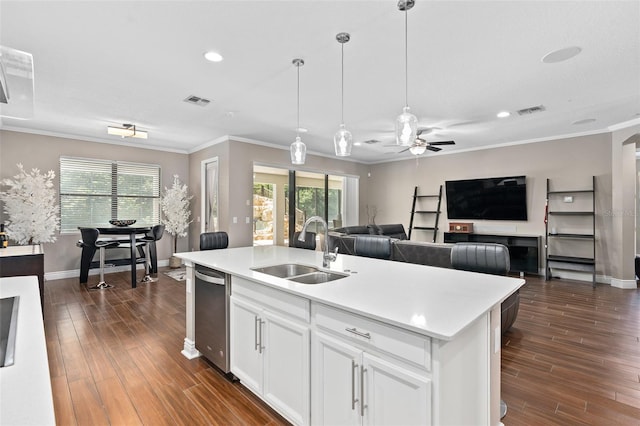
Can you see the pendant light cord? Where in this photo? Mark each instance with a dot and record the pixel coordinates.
(342, 83)
(298, 103)
(406, 59)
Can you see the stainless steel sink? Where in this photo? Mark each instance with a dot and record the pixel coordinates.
(302, 274)
(8, 325)
(318, 277)
(286, 270)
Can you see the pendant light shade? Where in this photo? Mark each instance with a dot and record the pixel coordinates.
(406, 123)
(298, 148)
(298, 151)
(342, 140)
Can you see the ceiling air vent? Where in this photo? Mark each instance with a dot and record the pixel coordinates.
(197, 100)
(531, 110)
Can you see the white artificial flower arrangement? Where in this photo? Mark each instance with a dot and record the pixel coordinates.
(175, 207)
(30, 203)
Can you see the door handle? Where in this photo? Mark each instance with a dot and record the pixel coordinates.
(354, 367)
(261, 348)
(255, 332)
(362, 405)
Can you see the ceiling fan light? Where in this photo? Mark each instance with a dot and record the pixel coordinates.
(343, 142)
(418, 149)
(406, 128)
(298, 151)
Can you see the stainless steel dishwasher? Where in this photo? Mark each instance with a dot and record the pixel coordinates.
(212, 315)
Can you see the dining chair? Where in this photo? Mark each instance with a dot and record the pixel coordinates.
(214, 240)
(91, 243)
(149, 239)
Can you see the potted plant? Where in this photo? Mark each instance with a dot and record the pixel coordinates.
(30, 203)
(175, 207)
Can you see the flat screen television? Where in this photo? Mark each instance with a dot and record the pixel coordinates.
(497, 198)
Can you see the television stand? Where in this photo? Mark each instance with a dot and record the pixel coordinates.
(523, 249)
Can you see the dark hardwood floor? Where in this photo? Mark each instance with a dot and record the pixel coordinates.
(572, 357)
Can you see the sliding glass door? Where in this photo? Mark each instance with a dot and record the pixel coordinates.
(284, 199)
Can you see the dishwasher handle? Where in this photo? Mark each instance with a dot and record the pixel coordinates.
(209, 278)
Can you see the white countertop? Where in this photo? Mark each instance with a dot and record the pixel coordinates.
(25, 386)
(437, 302)
(20, 250)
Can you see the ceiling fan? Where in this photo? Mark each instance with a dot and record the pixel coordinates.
(420, 145)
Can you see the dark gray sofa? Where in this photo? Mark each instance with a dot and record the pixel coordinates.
(423, 253)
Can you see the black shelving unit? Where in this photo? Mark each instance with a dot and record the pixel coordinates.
(419, 207)
(555, 218)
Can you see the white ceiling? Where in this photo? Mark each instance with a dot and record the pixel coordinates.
(113, 62)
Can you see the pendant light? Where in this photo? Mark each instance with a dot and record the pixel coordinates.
(406, 123)
(298, 148)
(343, 140)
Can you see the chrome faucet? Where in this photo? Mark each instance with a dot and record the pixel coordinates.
(327, 257)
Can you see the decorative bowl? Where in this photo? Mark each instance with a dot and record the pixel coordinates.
(122, 222)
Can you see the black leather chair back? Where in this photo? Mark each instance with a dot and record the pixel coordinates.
(89, 236)
(309, 242)
(488, 258)
(375, 246)
(214, 240)
(156, 232)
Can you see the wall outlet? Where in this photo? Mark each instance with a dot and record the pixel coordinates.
(568, 199)
(235, 219)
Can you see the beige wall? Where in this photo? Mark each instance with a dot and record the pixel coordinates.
(568, 162)
(43, 152)
(236, 182)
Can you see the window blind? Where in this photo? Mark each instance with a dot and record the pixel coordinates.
(94, 191)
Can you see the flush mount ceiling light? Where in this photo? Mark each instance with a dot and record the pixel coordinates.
(342, 140)
(127, 131)
(561, 54)
(406, 123)
(212, 56)
(298, 148)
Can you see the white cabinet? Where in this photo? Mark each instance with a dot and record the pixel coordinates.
(354, 382)
(270, 349)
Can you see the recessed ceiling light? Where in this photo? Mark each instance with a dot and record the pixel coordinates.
(301, 130)
(561, 54)
(503, 114)
(213, 56)
(357, 143)
(584, 121)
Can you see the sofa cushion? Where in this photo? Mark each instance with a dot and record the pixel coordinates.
(423, 253)
(394, 230)
(376, 246)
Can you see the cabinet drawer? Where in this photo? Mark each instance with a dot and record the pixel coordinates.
(286, 303)
(391, 340)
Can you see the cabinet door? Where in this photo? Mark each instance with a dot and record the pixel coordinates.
(335, 382)
(394, 395)
(246, 356)
(286, 367)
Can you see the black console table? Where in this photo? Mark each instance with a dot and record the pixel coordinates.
(523, 249)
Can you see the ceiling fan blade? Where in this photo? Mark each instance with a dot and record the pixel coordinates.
(442, 143)
(433, 148)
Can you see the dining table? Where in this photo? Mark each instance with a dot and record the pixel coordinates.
(131, 231)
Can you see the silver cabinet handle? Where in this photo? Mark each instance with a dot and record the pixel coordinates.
(209, 279)
(255, 332)
(362, 405)
(358, 333)
(261, 348)
(354, 367)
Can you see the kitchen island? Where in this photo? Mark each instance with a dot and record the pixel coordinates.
(389, 343)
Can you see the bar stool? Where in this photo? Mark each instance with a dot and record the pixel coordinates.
(150, 239)
(214, 240)
(90, 240)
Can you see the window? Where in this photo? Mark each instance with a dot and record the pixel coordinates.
(92, 192)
